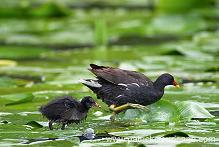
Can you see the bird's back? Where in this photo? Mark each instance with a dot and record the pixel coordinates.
(55, 109)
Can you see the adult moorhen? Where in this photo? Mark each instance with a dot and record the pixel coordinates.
(67, 110)
(123, 89)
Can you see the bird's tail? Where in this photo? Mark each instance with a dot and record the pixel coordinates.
(90, 83)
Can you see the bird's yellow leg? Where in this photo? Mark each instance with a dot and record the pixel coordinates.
(114, 108)
(126, 106)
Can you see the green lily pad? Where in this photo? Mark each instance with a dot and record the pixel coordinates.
(163, 111)
(166, 111)
(174, 52)
(18, 98)
(6, 81)
(34, 124)
(159, 111)
(190, 110)
(176, 134)
(50, 9)
(20, 52)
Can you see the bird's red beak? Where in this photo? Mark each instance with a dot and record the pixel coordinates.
(96, 105)
(176, 84)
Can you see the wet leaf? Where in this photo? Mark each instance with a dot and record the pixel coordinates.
(4, 122)
(213, 69)
(18, 98)
(6, 82)
(176, 134)
(174, 52)
(191, 110)
(21, 82)
(181, 6)
(163, 110)
(50, 9)
(8, 63)
(159, 111)
(34, 124)
(20, 52)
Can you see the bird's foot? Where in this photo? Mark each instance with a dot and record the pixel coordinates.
(128, 105)
(118, 109)
(138, 106)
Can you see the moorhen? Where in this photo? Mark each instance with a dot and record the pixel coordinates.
(67, 110)
(123, 89)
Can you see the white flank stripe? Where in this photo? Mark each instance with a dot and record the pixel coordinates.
(136, 84)
(119, 96)
(121, 84)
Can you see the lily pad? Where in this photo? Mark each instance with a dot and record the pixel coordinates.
(34, 124)
(160, 111)
(18, 98)
(190, 110)
(176, 134)
(8, 63)
(166, 111)
(19, 53)
(174, 52)
(163, 111)
(6, 82)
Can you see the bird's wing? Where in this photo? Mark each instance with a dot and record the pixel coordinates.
(118, 76)
(69, 104)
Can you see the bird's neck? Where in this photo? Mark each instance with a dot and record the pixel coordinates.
(85, 108)
(159, 87)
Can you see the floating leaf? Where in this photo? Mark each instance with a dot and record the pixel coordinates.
(4, 122)
(20, 52)
(8, 63)
(21, 82)
(180, 6)
(34, 124)
(163, 111)
(159, 111)
(190, 110)
(174, 52)
(18, 98)
(212, 69)
(176, 134)
(6, 82)
(130, 114)
(50, 9)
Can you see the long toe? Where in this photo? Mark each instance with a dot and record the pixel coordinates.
(138, 106)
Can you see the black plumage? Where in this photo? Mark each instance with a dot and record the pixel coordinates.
(118, 87)
(67, 110)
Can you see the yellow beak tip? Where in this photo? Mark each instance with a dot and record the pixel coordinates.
(177, 86)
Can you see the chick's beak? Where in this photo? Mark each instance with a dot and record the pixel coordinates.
(96, 105)
(176, 84)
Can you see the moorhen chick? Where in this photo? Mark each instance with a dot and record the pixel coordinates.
(67, 110)
(123, 89)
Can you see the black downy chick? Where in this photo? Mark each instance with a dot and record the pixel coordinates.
(67, 110)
